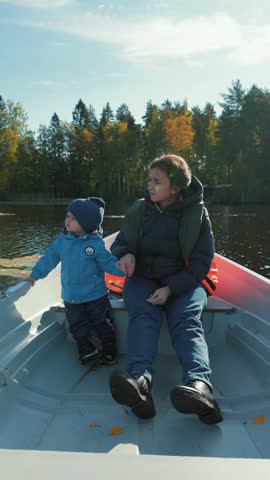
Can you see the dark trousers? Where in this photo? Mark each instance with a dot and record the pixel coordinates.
(83, 318)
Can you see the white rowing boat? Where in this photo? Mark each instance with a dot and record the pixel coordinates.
(58, 420)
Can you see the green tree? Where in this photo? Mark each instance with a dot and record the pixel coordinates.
(229, 129)
(80, 146)
(127, 159)
(12, 127)
(123, 115)
(106, 156)
(43, 148)
(205, 124)
(25, 174)
(58, 157)
(253, 164)
(152, 133)
(81, 116)
(3, 113)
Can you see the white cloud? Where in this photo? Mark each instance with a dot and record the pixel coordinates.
(183, 38)
(47, 83)
(40, 3)
(51, 84)
(155, 37)
(115, 74)
(254, 48)
(159, 38)
(60, 44)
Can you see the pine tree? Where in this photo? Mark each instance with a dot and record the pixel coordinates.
(58, 157)
(229, 129)
(152, 133)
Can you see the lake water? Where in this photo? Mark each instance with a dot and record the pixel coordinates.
(242, 232)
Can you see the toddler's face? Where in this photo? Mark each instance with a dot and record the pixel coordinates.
(72, 225)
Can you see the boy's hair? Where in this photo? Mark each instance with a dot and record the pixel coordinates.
(176, 169)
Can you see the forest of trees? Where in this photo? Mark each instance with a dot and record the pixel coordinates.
(108, 156)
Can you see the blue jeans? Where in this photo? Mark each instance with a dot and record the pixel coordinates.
(184, 322)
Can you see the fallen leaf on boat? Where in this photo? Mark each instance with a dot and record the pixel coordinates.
(116, 431)
(94, 425)
(259, 420)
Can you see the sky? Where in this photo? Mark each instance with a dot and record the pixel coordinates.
(55, 52)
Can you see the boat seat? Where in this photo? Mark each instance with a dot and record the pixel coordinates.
(117, 302)
(214, 304)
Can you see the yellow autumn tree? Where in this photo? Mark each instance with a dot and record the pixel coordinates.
(178, 134)
(86, 135)
(211, 134)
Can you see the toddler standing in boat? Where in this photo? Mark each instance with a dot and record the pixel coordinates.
(84, 259)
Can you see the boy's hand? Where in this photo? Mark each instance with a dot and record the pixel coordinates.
(160, 296)
(127, 264)
(24, 278)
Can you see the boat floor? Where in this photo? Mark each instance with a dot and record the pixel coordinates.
(62, 406)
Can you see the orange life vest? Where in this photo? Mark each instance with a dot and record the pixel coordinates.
(211, 280)
(116, 284)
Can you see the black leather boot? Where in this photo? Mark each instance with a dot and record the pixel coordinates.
(87, 351)
(133, 391)
(196, 397)
(109, 351)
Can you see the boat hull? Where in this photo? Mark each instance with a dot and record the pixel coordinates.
(56, 413)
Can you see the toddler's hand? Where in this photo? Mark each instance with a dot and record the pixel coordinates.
(127, 264)
(25, 278)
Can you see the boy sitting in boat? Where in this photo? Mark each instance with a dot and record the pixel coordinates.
(169, 234)
(84, 259)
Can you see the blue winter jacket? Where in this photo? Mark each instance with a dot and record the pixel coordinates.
(83, 260)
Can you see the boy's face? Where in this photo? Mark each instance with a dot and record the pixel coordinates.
(72, 225)
(160, 188)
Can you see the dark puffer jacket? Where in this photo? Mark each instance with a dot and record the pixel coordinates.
(159, 247)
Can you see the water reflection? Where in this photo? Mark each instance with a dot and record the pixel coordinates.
(242, 232)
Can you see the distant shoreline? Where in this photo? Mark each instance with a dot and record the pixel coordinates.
(37, 202)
